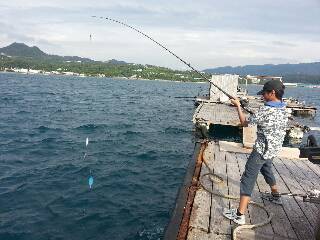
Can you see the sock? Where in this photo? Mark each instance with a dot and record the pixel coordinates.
(239, 213)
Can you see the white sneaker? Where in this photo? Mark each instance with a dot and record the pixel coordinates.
(232, 215)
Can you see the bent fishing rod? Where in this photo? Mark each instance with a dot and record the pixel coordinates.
(175, 55)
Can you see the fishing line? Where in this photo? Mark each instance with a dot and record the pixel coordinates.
(90, 179)
(243, 102)
(175, 55)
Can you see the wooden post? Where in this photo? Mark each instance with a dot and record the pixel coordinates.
(249, 136)
(226, 82)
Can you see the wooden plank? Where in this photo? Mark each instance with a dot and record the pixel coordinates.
(212, 112)
(200, 213)
(242, 159)
(302, 184)
(280, 223)
(247, 234)
(249, 136)
(286, 152)
(197, 234)
(313, 180)
(196, 113)
(313, 177)
(257, 214)
(314, 167)
(227, 82)
(219, 224)
(298, 220)
(233, 179)
(233, 147)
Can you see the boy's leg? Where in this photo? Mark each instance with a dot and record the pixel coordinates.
(244, 201)
(268, 175)
(247, 183)
(249, 178)
(266, 171)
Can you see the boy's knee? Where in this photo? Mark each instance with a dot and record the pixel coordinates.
(247, 183)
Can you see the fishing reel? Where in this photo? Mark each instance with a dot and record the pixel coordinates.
(313, 196)
(244, 102)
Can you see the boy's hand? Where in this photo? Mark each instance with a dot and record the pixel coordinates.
(235, 102)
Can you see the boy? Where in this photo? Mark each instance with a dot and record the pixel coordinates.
(271, 120)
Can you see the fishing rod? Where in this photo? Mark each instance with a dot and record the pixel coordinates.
(243, 105)
(312, 196)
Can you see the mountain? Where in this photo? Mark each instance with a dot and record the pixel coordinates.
(270, 69)
(22, 50)
(116, 62)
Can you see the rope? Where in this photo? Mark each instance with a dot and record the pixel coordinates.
(216, 179)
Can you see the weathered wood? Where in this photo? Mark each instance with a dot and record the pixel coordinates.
(298, 220)
(280, 223)
(308, 172)
(219, 224)
(200, 214)
(197, 234)
(249, 136)
(286, 152)
(212, 112)
(201, 211)
(314, 167)
(257, 214)
(294, 220)
(248, 234)
(227, 82)
(233, 179)
(184, 224)
(242, 159)
(303, 184)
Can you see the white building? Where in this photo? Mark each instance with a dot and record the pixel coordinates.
(21, 70)
(33, 71)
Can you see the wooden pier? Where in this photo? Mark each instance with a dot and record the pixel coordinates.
(215, 113)
(294, 220)
(198, 212)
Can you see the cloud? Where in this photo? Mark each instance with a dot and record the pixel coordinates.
(206, 33)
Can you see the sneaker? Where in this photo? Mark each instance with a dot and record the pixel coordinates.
(272, 197)
(232, 215)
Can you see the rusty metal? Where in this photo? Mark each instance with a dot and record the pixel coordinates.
(184, 226)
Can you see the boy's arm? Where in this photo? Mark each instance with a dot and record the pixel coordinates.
(242, 117)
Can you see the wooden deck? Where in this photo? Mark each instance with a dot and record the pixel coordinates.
(294, 220)
(212, 112)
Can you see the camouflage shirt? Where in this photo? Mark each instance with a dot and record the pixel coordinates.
(271, 121)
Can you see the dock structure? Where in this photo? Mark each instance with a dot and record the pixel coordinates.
(224, 114)
(203, 196)
(295, 219)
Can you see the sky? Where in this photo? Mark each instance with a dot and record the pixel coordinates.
(205, 33)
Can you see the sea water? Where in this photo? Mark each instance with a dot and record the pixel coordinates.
(140, 143)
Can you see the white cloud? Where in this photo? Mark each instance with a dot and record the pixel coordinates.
(204, 33)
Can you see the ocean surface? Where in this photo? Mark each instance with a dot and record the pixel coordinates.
(140, 143)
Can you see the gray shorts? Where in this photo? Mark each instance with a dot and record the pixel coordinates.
(255, 164)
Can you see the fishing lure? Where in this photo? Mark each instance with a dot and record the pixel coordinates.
(90, 181)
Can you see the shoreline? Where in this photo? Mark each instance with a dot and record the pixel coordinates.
(300, 85)
(115, 78)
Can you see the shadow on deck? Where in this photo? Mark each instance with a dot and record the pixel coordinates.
(294, 220)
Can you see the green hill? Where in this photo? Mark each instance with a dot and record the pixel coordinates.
(22, 50)
(19, 55)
